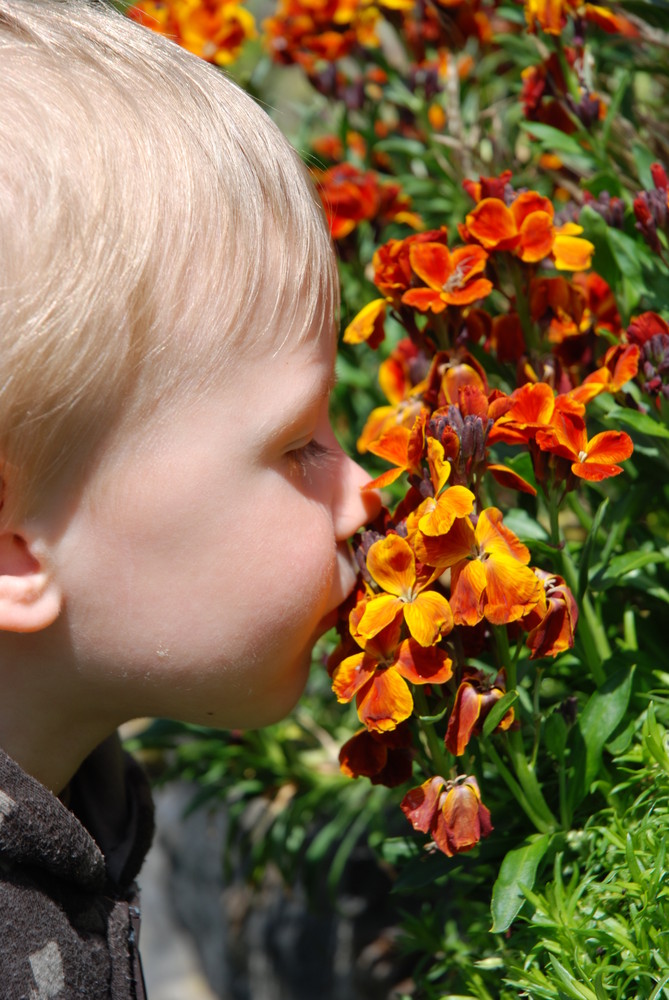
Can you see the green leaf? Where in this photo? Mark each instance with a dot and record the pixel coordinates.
(525, 527)
(519, 868)
(498, 711)
(574, 989)
(553, 139)
(586, 552)
(641, 422)
(623, 564)
(599, 987)
(599, 719)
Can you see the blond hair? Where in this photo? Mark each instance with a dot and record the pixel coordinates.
(155, 226)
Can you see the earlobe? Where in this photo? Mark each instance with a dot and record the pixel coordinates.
(30, 598)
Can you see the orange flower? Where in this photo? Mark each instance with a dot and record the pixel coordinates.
(549, 15)
(451, 811)
(401, 446)
(552, 623)
(453, 277)
(392, 269)
(348, 195)
(392, 565)
(215, 30)
(493, 581)
(384, 758)
(526, 228)
(595, 459)
(304, 32)
(531, 408)
(475, 697)
(377, 676)
(621, 364)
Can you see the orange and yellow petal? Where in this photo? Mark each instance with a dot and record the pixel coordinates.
(392, 564)
(512, 590)
(492, 224)
(380, 612)
(367, 325)
(421, 665)
(495, 539)
(468, 582)
(384, 702)
(438, 515)
(571, 253)
(428, 617)
(537, 237)
(352, 674)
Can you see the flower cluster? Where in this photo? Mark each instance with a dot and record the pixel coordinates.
(443, 578)
(215, 30)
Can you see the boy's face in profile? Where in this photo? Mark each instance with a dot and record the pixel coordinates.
(207, 552)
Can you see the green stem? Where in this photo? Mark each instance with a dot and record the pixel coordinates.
(539, 821)
(590, 633)
(523, 309)
(532, 795)
(434, 743)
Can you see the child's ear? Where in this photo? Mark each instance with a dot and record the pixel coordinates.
(30, 598)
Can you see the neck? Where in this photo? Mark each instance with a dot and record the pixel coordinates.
(44, 726)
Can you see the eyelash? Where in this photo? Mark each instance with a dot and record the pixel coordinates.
(311, 455)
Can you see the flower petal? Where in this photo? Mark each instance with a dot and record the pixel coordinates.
(512, 590)
(428, 617)
(352, 674)
(420, 804)
(464, 716)
(419, 665)
(424, 299)
(571, 253)
(492, 224)
(381, 611)
(368, 324)
(457, 501)
(384, 702)
(432, 263)
(468, 581)
(609, 446)
(392, 565)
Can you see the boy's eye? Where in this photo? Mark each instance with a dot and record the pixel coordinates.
(312, 455)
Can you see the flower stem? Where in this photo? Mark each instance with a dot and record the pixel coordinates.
(540, 821)
(590, 632)
(436, 752)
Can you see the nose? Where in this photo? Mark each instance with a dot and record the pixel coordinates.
(352, 508)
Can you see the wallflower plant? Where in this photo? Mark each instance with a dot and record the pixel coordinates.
(495, 178)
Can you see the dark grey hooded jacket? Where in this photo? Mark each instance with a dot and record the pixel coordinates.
(69, 917)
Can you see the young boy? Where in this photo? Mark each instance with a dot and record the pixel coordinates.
(175, 507)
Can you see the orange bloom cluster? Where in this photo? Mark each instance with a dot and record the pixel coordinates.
(215, 30)
(351, 196)
(307, 32)
(443, 573)
(551, 16)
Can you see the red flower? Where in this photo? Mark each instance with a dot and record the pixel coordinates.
(384, 758)
(451, 811)
(552, 622)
